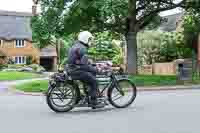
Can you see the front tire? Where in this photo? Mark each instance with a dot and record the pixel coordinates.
(128, 88)
(67, 93)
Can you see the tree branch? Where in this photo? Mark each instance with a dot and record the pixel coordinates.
(143, 21)
(171, 6)
(142, 7)
(35, 2)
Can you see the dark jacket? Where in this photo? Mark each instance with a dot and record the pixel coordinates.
(77, 56)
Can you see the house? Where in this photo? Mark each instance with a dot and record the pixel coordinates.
(171, 23)
(16, 41)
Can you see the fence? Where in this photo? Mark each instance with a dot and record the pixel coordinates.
(167, 68)
(164, 68)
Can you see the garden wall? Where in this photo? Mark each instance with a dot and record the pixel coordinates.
(164, 68)
(168, 68)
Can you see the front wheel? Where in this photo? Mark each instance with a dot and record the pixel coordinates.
(122, 94)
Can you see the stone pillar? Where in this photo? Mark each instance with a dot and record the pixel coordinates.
(54, 63)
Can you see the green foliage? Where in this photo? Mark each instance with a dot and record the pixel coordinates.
(104, 15)
(102, 47)
(96, 16)
(148, 46)
(157, 46)
(2, 66)
(191, 25)
(48, 25)
(11, 61)
(29, 60)
(118, 59)
(36, 68)
(105, 49)
(168, 50)
(67, 43)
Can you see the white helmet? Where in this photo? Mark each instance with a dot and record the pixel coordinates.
(85, 37)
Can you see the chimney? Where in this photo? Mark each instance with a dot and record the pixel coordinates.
(34, 7)
(34, 10)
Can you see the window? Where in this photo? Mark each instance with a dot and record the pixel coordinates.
(20, 43)
(20, 60)
(1, 43)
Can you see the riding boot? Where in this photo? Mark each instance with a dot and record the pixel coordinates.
(94, 103)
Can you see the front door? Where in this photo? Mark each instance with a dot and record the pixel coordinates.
(47, 63)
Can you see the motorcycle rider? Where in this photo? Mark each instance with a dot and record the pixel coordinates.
(81, 67)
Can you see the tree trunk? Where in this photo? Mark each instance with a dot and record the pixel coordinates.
(131, 39)
(58, 51)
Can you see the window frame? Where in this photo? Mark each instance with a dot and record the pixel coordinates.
(19, 43)
(20, 60)
(1, 43)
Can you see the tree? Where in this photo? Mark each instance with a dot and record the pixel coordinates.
(191, 28)
(48, 26)
(112, 15)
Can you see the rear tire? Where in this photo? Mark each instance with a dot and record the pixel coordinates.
(130, 89)
(69, 88)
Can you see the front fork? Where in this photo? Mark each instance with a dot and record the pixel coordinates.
(116, 85)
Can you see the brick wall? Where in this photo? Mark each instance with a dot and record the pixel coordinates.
(9, 48)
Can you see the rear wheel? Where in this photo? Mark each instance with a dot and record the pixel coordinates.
(62, 98)
(124, 97)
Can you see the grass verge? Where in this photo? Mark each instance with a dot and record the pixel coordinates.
(9, 76)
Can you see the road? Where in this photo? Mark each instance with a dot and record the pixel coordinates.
(152, 112)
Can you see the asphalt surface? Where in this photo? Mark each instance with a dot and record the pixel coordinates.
(152, 112)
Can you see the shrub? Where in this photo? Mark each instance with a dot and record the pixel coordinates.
(37, 68)
(2, 66)
(11, 61)
(29, 60)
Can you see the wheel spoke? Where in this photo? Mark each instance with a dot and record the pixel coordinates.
(68, 94)
(117, 98)
(58, 95)
(63, 98)
(67, 91)
(120, 91)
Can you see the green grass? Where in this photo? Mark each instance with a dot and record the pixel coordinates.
(34, 86)
(8, 76)
(140, 80)
(153, 80)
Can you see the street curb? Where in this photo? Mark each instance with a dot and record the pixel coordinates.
(139, 89)
(22, 81)
(169, 88)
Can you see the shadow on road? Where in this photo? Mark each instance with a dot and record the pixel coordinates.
(80, 111)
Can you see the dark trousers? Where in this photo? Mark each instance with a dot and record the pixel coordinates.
(87, 74)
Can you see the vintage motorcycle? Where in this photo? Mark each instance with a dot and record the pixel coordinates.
(64, 93)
